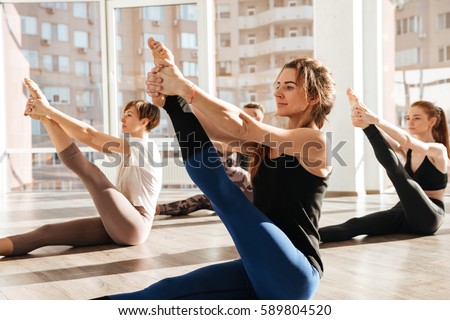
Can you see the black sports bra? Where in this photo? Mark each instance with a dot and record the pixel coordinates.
(426, 175)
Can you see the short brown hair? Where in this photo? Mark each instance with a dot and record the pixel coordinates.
(146, 110)
(254, 105)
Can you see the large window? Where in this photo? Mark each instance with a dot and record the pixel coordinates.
(62, 46)
(133, 58)
(423, 70)
(44, 46)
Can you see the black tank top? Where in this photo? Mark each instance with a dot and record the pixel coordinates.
(426, 175)
(292, 198)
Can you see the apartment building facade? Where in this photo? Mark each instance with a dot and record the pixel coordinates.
(58, 45)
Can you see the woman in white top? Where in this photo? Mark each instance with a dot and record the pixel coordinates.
(126, 210)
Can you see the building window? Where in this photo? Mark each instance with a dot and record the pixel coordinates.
(81, 39)
(63, 64)
(444, 54)
(251, 11)
(443, 21)
(47, 62)
(35, 127)
(407, 57)
(153, 13)
(82, 68)
(84, 99)
(119, 71)
(252, 68)
(80, 10)
(292, 3)
(224, 40)
(441, 55)
(188, 40)
(252, 96)
(50, 31)
(32, 57)
(60, 95)
(120, 99)
(54, 5)
(411, 24)
(29, 25)
(189, 68)
(223, 11)
(306, 31)
(293, 32)
(119, 43)
(188, 12)
(224, 68)
(46, 31)
(251, 39)
(62, 32)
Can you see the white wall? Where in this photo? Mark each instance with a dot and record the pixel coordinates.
(350, 39)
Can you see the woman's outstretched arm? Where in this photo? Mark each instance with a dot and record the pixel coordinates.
(402, 137)
(75, 128)
(304, 143)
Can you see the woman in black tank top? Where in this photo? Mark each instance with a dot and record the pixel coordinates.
(419, 184)
(278, 244)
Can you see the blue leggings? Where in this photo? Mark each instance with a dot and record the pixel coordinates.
(271, 267)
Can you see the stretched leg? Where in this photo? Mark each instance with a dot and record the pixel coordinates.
(77, 233)
(423, 216)
(184, 207)
(126, 224)
(223, 281)
(383, 222)
(123, 222)
(276, 269)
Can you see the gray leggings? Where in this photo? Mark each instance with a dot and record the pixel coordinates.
(119, 222)
(414, 214)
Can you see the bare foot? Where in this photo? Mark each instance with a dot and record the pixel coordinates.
(162, 57)
(6, 247)
(37, 104)
(35, 93)
(356, 119)
(33, 88)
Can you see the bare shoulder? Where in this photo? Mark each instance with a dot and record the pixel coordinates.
(438, 155)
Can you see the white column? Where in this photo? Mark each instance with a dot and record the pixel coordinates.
(338, 44)
(206, 46)
(3, 160)
(372, 90)
(352, 39)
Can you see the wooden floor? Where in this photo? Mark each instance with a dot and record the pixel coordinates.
(391, 267)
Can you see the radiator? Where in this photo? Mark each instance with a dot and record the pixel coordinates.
(174, 173)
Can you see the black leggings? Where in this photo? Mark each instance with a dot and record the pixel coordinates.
(415, 213)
